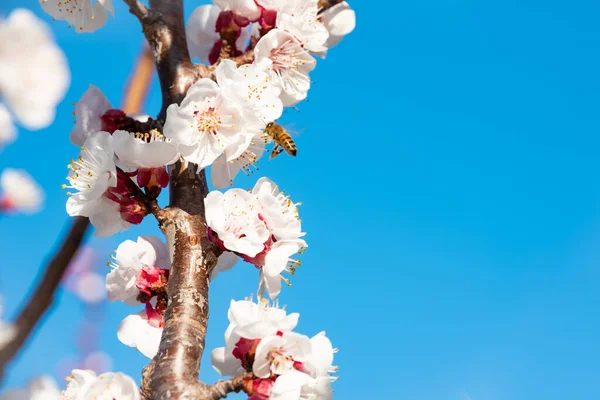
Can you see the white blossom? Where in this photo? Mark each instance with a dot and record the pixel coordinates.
(202, 36)
(20, 192)
(249, 321)
(280, 215)
(136, 331)
(84, 15)
(244, 8)
(207, 123)
(277, 354)
(144, 150)
(8, 132)
(34, 74)
(288, 64)
(223, 172)
(251, 86)
(339, 21)
(301, 19)
(147, 254)
(88, 113)
(226, 261)
(86, 385)
(262, 227)
(233, 217)
(93, 174)
(42, 388)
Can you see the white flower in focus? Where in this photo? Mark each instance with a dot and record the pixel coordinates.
(202, 37)
(34, 74)
(249, 322)
(136, 331)
(42, 388)
(82, 14)
(233, 217)
(301, 19)
(8, 132)
(85, 385)
(320, 363)
(20, 192)
(92, 175)
(250, 85)
(206, 123)
(88, 114)
(280, 215)
(243, 8)
(223, 172)
(339, 21)
(144, 150)
(200, 31)
(279, 354)
(133, 259)
(288, 64)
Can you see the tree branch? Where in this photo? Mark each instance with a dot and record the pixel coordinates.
(137, 9)
(41, 299)
(221, 389)
(139, 83)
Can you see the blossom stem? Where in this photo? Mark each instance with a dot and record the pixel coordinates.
(221, 389)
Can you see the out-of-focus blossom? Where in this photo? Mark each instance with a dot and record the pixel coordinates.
(98, 361)
(90, 288)
(339, 21)
(34, 74)
(42, 388)
(19, 192)
(8, 132)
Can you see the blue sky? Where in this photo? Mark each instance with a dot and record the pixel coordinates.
(447, 168)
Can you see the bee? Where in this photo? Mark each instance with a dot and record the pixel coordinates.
(283, 140)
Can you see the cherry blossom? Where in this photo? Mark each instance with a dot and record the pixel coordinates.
(206, 123)
(288, 64)
(139, 267)
(249, 322)
(19, 192)
(31, 93)
(261, 227)
(93, 113)
(243, 8)
(223, 172)
(106, 193)
(148, 152)
(42, 388)
(250, 85)
(301, 19)
(85, 385)
(8, 132)
(90, 288)
(138, 331)
(233, 218)
(84, 15)
(204, 42)
(339, 21)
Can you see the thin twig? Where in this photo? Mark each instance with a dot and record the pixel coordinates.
(42, 297)
(221, 389)
(137, 9)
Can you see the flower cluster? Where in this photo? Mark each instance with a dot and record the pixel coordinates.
(139, 275)
(109, 158)
(287, 365)
(261, 227)
(85, 385)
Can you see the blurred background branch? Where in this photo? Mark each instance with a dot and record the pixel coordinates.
(41, 299)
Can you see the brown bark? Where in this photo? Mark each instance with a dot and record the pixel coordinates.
(42, 297)
(173, 374)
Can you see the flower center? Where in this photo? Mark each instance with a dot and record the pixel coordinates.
(208, 120)
(288, 56)
(280, 361)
